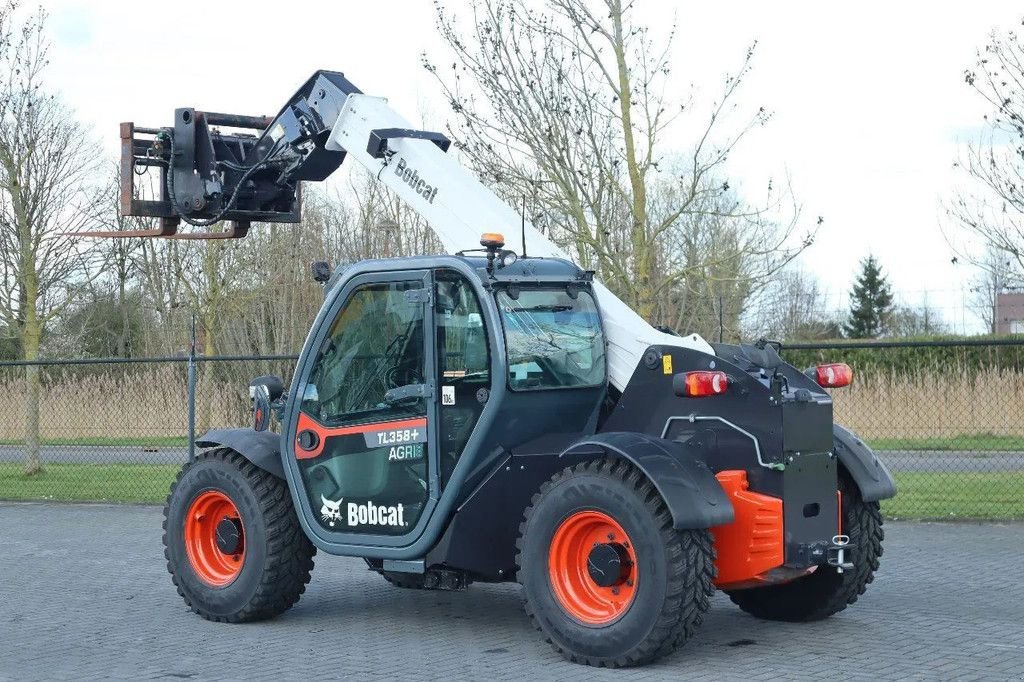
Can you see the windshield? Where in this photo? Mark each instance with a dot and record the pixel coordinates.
(554, 340)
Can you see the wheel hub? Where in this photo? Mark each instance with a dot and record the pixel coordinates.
(229, 535)
(592, 568)
(608, 564)
(214, 536)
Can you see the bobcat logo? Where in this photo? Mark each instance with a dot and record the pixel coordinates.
(330, 512)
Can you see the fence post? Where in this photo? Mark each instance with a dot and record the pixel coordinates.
(192, 392)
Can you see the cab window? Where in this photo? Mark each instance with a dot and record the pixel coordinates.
(553, 338)
(375, 344)
(464, 364)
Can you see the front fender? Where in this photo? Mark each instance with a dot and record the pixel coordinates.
(692, 493)
(262, 448)
(865, 468)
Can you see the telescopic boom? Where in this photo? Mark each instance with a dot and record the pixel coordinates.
(208, 175)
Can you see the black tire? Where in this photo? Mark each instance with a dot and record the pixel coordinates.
(825, 592)
(675, 569)
(278, 557)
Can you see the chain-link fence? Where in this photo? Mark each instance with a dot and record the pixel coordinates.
(947, 417)
(117, 429)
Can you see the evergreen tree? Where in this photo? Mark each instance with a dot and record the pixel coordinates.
(870, 302)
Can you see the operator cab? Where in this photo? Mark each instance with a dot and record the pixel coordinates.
(408, 358)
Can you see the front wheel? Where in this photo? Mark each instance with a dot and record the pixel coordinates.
(606, 577)
(233, 543)
(826, 591)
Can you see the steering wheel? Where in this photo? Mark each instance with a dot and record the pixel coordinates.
(401, 375)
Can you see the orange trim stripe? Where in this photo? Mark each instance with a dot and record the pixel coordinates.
(307, 423)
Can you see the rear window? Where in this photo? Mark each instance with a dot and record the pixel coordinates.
(553, 340)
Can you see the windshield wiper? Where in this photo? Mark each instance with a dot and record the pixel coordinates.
(543, 309)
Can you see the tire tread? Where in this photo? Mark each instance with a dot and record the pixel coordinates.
(290, 553)
(691, 569)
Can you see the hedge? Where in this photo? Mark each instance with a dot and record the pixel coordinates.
(917, 356)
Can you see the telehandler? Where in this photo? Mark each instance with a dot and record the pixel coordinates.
(495, 416)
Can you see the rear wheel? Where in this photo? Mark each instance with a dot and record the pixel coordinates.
(233, 543)
(826, 591)
(605, 576)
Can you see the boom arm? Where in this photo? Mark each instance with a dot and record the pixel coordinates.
(213, 176)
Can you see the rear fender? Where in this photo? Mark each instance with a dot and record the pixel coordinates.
(262, 448)
(693, 495)
(865, 468)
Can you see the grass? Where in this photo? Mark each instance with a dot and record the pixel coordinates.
(929, 495)
(979, 442)
(89, 482)
(108, 441)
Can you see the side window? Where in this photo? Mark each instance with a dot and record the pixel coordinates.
(554, 339)
(464, 364)
(375, 344)
(363, 460)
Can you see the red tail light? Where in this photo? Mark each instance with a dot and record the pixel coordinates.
(834, 375)
(700, 384)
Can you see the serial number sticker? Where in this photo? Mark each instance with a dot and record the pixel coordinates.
(384, 437)
(666, 363)
(447, 395)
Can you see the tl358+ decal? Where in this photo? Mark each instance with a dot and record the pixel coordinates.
(405, 444)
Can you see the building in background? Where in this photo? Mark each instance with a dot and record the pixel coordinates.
(1010, 313)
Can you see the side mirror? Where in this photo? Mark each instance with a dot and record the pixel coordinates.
(274, 386)
(260, 408)
(264, 391)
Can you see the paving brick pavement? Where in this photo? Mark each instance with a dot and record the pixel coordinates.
(84, 594)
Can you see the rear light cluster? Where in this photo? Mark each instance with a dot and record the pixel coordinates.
(834, 375)
(700, 384)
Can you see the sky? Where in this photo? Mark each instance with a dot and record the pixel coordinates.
(869, 106)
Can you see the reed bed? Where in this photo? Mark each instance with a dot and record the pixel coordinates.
(152, 402)
(115, 404)
(933, 405)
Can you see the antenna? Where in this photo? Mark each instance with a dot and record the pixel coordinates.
(523, 216)
(721, 318)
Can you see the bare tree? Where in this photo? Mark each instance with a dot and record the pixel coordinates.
(922, 320)
(793, 308)
(46, 157)
(108, 319)
(567, 106)
(997, 272)
(992, 206)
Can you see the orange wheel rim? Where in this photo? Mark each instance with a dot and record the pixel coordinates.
(592, 568)
(214, 538)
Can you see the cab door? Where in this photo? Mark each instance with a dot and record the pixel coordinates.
(363, 438)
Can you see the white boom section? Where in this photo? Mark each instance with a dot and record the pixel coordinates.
(459, 208)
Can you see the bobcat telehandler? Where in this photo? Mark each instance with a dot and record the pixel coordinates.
(496, 416)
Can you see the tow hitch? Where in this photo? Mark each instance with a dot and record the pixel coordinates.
(837, 553)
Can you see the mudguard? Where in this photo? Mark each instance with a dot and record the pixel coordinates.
(262, 448)
(866, 470)
(692, 493)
